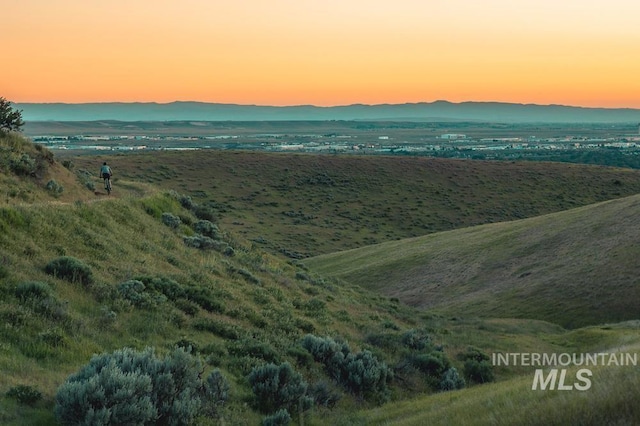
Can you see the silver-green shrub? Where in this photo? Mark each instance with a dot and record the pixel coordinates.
(451, 380)
(215, 392)
(279, 386)
(416, 339)
(208, 229)
(54, 187)
(360, 373)
(279, 418)
(172, 221)
(132, 387)
(135, 292)
(22, 165)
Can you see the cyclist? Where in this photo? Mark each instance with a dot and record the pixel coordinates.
(105, 173)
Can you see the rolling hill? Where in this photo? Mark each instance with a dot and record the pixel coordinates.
(304, 205)
(573, 268)
(138, 275)
(143, 275)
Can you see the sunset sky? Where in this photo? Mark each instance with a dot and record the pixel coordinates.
(322, 52)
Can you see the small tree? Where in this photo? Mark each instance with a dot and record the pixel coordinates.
(10, 118)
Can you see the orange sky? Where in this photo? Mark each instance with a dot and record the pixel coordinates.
(322, 52)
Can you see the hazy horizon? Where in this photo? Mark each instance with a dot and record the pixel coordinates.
(332, 53)
(437, 101)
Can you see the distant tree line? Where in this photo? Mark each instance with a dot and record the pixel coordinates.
(604, 156)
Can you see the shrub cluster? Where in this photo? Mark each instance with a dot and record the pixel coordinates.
(216, 393)
(203, 242)
(23, 165)
(204, 212)
(25, 394)
(70, 269)
(208, 229)
(207, 234)
(279, 387)
(360, 373)
(148, 292)
(208, 237)
(477, 367)
(416, 339)
(419, 355)
(279, 418)
(171, 289)
(131, 387)
(324, 395)
(134, 292)
(437, 368)
(171, 220)
(451, 380)
(86, 178)
(22, 161)
(433, 364)
(32, 290)
(40, 298)
(54, 187)
(185, 201)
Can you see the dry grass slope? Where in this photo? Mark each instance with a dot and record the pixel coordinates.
(574, 268)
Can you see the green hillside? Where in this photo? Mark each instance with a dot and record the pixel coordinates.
(573, 268)
(151, 267)
(304, 205)
(240, 307)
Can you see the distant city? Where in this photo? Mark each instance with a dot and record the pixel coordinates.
(336, 143)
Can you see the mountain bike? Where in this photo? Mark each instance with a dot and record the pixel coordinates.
(107, 183)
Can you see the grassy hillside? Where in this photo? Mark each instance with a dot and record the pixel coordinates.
(304, 205)
(513, 402)
(572, 268)
(29, 173)
(234, 303)
(243, 310)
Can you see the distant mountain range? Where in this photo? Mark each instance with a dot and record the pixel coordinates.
(434, 111)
